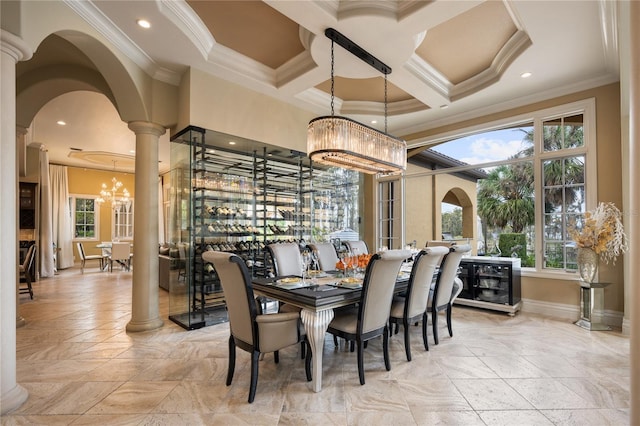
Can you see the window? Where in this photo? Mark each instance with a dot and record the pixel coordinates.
(538, 171)
(85, 214)
(122, 221)
(390, 224)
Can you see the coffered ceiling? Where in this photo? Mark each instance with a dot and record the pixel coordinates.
(450, 60)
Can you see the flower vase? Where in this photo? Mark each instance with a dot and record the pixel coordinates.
(587, 264)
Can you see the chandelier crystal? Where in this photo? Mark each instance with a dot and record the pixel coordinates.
(343, 142)
(113, 195)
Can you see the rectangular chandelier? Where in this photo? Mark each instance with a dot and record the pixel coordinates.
(342, 142)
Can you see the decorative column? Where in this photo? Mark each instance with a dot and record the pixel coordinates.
(21, 136)
(13, 49)
(632, 218)
(145, 304)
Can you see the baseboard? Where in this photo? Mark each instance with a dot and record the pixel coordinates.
(626, 327)
(572, 312)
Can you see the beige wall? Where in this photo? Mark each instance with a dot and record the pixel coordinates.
(609, 188)
(87, 182)
(218, 105)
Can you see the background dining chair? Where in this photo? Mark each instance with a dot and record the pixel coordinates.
(359, 246)
(121, 253)
(286, 258)
(412, 307)
(25, 271)
(250, 331)
(370, 318)
(84, 257)
(327, 256)
(441, 297)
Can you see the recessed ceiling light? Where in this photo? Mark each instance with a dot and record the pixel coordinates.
(374, 121)
(61, 123)
(232, 143)
(132, 151)
(525, 74)
(444, 106)
(144, 23)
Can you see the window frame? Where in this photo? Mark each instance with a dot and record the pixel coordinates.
(114, 225)
(587, 108)
(96, 216)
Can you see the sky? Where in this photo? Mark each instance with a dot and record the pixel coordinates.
(485, 147)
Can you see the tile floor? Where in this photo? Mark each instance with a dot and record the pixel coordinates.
(81, 367)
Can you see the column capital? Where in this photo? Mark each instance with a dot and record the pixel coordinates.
(147, 127)
(15, 47)
(21, 130)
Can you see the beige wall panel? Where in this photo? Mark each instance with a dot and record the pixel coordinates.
(555, 291)
(418, 201)
(225, 107)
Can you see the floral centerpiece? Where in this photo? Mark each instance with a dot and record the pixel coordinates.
(600, 237)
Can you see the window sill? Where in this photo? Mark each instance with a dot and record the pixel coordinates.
(560, 275)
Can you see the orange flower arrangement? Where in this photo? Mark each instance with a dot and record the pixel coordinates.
(360, 261)
(603, 232)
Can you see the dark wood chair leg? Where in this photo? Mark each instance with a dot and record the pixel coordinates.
(232, 360)
(407, 341)
(360, 362)
(276, 357)
(385, 349)
(449, 325)
(434, 321)
(255, 356)
(424, 332)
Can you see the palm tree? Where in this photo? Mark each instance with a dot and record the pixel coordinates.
(506, 197)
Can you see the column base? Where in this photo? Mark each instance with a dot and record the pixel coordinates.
(144, 325)
(13, 399)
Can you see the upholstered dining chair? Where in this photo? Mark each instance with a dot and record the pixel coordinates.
(370, 318)
(251, 331)
(25, 271)
(286, 258)
(121, 253)
(359, 246)
(441, 297)
(327, 256)
(84, 257)
(412, 307)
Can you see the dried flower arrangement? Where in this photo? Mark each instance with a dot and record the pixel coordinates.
(603, 232)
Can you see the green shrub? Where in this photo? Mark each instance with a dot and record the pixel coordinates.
(513, 243)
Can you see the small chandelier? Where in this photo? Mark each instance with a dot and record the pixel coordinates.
(342, 142)
(113, 195)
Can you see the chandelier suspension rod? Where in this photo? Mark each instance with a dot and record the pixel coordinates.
(356, 50)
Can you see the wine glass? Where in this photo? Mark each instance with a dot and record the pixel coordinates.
(355, 261)
(306, 261)
(344, 259)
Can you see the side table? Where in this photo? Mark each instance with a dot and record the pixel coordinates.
(591, 299)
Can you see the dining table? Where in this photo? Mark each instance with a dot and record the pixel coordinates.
(318, 297)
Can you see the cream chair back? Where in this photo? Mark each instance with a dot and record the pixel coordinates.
(377, 289)
(359, 246)
(422, 273)
(120, 251)
(327, 256)
(448, 273)
(238, 293)
(286, 258)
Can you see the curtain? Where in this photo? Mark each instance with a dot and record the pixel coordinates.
(161, 238)
(61, 216)
(47, 265)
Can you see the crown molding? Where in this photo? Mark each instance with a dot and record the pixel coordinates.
(103, 25)
(185, 19)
